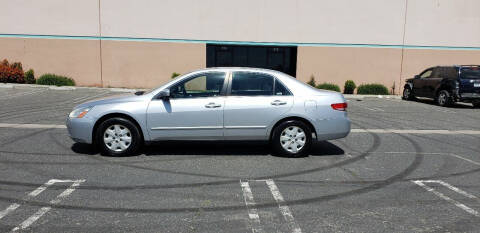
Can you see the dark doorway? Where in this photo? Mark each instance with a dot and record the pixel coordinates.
(281, 58)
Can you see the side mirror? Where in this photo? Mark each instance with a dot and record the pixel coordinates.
(417, 76)
(164, 94)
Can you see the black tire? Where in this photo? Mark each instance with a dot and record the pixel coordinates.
(444, 98)
(407, 94)
(476, 104)
(135, 136)
(278, 146)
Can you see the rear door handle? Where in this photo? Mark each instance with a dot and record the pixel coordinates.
(278, 102)
(213, 105)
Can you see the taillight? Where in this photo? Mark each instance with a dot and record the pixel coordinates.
(340, 106)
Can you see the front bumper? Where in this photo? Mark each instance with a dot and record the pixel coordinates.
(80, 129)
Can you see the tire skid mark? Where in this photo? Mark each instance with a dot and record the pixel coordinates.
(383, 183)
(392, 179)
(375, 145)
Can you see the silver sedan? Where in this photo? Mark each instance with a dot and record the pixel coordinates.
(215, 104)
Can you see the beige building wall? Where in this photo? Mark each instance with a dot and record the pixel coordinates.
(337, 64)
(78, 59)
(443, 23)
(49, 17)
(148, 64)
(304, 21)
(127, 63)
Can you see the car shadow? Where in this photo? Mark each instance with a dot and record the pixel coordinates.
(224, 148)
(460, 105)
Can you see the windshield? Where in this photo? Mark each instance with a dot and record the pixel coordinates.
(174, 79)
(470, 73)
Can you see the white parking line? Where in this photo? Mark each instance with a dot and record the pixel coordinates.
(34, 193)
(253, 213)
(31, 126)
(25, 224)
(284, 209)
(446, 198)
(468, 160)
(417, 131)
(250, 203)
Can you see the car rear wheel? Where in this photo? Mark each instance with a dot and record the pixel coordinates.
(292, 139)
(118, 137)
(444, 99)
(407, 94)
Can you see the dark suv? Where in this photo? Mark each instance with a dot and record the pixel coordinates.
(446, 85)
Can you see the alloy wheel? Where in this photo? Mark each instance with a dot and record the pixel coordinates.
(406, 93)
(117, 138)
(442, 98)
(293, 139)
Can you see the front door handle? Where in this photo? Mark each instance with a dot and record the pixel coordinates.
(213, 105)
(278, 102)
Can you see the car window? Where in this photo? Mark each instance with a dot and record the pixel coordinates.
(251, 84)
(470, 73)
(426, 74)
(280, 89)
(445, 72)
(201, 85)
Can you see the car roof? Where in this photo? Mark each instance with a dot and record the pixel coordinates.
(254, 69)
(454, 66)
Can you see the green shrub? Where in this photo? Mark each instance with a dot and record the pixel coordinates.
(57, 80)
(372, 89)
(349, 87)
(175, 74)
(312, 81)
(29, 76)
(329, 86)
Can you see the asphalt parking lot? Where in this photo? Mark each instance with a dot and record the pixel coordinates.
(406, 167)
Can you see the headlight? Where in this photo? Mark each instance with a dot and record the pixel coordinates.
(79, 112)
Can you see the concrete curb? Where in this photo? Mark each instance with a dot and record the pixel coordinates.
(66, 88)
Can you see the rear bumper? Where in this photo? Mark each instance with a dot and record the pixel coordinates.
(80, 129)
(468, 97)
(333, 128)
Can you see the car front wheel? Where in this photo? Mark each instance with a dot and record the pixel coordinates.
(118, 137)
(292, 139)
(407, 94)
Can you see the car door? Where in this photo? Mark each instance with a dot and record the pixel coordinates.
(193, 111)
(420, 82)
(433, 81)
(254, 101)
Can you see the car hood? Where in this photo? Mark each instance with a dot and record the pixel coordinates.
(121, 98)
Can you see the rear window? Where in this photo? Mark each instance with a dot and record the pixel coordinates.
(470, 73)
